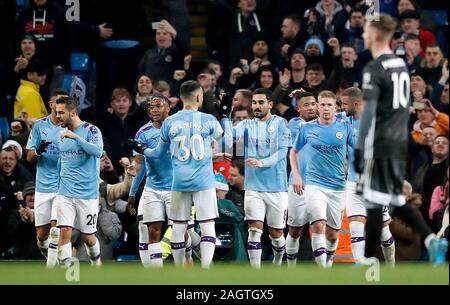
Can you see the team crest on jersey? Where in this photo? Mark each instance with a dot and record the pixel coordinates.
(339, 135)
(270, 129)
(168, 58)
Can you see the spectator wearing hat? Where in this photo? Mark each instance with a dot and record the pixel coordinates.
(316, 52)
(410, 24)
(21, 226)
(18, 149)
(314, 47)
(28, 99)
(27, 52)
(428, 116)
(259, 55)
(419, 89)
(166, 56)
(46, 20)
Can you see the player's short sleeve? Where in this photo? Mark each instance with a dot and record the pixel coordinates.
(301, 139)
(95, 136)
(34, 138)
(165, 131)
(284, 134)
(216, 130)
(371, 83)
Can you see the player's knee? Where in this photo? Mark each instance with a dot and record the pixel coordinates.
(155, 233)
(89, 239)
(319, 226)
(275, 233)
(331, 236)
(295, 232)
(65, 233)
(42, 233)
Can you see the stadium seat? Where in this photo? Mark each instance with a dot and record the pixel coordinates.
(439, 17)
(4, 129)
(80, 62)
(127, 258)
(120, 44)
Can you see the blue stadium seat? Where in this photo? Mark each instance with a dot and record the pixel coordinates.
(127, 258)
(439, 17)
(120, 44)
(20, 3)
(4, 129)
(79, 62)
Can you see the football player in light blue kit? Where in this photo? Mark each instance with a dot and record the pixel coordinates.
(43, 148)
(328, 138)
(267, 139)
(156, 197)
(81, 147)
(352, 100)
(297, 217)
(189, 134)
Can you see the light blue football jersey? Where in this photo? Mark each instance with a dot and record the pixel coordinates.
(80, 163)
(267, 141)
(295, 125)
(329, 145)
(190, 134)
(158, 170)
(351, 176)
(47, 166)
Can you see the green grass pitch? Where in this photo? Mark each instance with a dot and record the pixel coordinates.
(15, 272)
